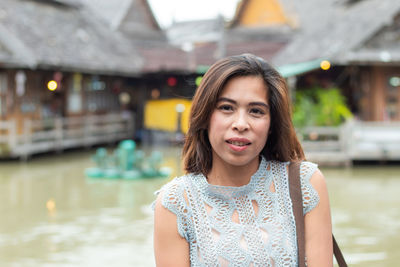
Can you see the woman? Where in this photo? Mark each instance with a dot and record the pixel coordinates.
(233, 208)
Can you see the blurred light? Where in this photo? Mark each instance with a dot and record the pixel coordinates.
(51, 205)
(385, 56)
(325, 65)
(52, 85)
(198, 80)
(394, 81)
(180, 108)
(171, 81)
(187, 46)
(124, 98)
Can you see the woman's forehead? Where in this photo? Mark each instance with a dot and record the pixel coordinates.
(245, 85)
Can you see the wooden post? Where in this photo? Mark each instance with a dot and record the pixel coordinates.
(58, 123)
(88, 122)
(27, 137)
(12, 135)
(378, 94)
(345, 139)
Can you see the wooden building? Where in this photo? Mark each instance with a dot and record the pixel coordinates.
(359, 37)
(69, 77)
(108, 58)
(361, 40)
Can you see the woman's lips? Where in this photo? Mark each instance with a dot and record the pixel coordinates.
(238, 144)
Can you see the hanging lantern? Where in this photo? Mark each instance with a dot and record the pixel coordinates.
(325, 65)
(52, 85)
(172, 81)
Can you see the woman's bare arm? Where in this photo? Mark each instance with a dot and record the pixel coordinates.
(170, 248)
(318, 227)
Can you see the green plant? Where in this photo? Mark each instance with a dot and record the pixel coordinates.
(320, 107)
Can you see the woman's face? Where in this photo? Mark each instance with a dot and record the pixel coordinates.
(240, 122)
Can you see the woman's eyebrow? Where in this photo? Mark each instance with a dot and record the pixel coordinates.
(258, 104)
(225, 99)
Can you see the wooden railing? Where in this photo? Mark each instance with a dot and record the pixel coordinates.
(325, 145)
(374, 140)
(63, 133)
(354, 140)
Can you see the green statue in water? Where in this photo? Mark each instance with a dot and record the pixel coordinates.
(126, 162)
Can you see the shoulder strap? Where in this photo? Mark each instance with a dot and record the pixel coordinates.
(338, 254)
(297, 204)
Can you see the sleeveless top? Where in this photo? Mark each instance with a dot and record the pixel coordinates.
(250, 225)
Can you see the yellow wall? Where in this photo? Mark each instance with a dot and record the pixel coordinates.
(162, 114)
(262, 12)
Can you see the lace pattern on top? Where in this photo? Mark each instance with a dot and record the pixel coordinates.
(250, 225)
(310, 196)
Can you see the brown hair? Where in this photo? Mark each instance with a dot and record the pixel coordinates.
(282, 143)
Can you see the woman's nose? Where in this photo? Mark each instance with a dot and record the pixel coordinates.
(240, 122)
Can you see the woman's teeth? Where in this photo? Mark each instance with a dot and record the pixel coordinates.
(236, 143)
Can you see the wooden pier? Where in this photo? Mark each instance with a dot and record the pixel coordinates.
(354, 140)
(63, 133)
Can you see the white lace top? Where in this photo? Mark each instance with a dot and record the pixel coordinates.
(252, 225)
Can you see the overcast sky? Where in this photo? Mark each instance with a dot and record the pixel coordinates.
(180, 10)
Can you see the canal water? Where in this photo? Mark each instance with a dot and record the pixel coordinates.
(52, 215)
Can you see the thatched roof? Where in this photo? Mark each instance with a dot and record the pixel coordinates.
(195, 31)
(339, 30)
(63, 35)
(134, 18)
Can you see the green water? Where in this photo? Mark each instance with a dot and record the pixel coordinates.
(92, 222)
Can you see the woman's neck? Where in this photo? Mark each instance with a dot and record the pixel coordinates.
(222, 173)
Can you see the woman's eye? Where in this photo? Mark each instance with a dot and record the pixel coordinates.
(225, 108)
(257, 111)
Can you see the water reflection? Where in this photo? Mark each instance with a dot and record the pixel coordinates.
(90, 222)
(365, 213)
(53, 216)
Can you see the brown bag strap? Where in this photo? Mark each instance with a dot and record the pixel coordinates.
(297, 204)
(338, 253)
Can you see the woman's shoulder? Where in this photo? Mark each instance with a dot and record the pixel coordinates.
(171, 194)
(171, 197)
(307, 169)
(310, 175)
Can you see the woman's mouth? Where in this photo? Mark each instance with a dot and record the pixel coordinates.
(238, 144)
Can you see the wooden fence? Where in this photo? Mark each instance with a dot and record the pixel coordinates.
(63, 133)
(354, 140)
(325, 145)
(374, 140)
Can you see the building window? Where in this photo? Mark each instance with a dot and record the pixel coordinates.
(99, 95)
